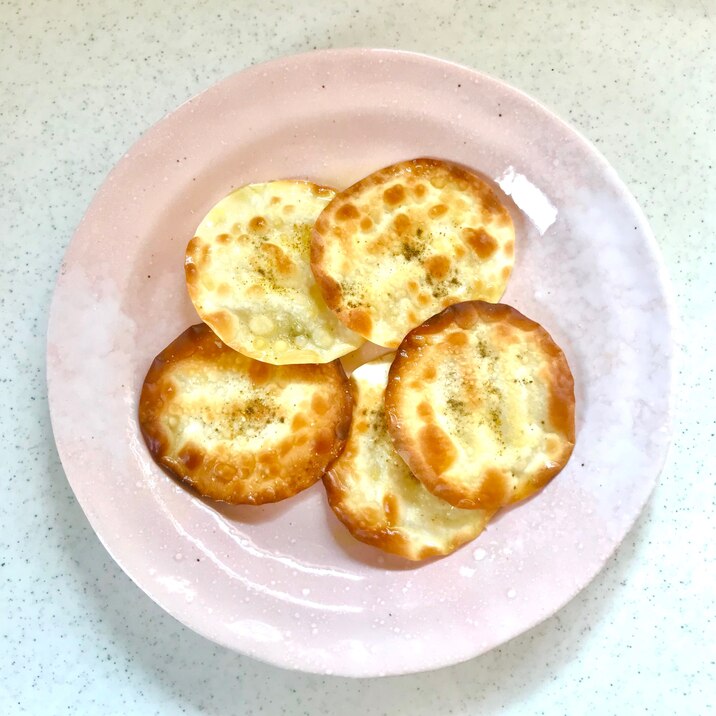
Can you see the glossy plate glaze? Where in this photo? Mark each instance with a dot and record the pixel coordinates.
(286, 583)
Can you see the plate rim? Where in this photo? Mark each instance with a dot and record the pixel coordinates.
(650, 243)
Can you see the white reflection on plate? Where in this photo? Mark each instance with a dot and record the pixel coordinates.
(533, 202)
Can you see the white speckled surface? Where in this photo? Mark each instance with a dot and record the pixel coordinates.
(78, 86)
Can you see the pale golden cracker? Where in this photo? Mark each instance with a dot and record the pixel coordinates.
(480, 403)
(408, 240)
(373, 492)
(248, 274)
(239, 430)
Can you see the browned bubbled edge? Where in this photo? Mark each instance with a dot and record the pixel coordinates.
(384, 538)
(150, 402)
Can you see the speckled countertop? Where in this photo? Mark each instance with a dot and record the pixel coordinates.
(80, 81)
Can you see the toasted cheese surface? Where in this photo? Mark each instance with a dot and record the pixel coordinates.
(373, 492)
(407, 241)
(480, 402)
(239, 430)
(248, 274)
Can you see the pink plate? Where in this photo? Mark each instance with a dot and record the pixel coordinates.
(286, 583)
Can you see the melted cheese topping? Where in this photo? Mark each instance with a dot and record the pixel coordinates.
(248, 274)
(239, 430)
(408, 240)
(481, 402)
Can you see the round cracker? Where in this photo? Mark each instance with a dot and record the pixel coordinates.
(249, 277)
(373, 492)
(239, 430)
(481, 405)
(408, 240)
